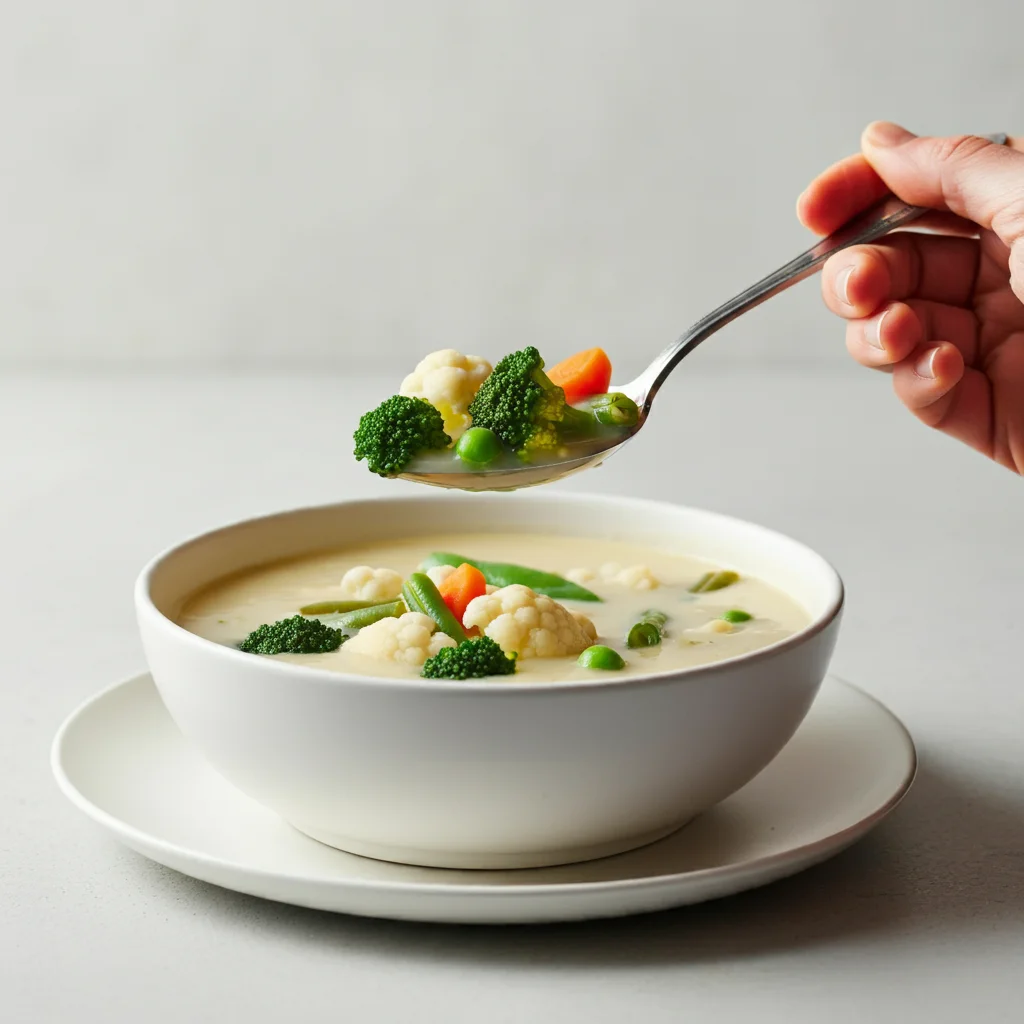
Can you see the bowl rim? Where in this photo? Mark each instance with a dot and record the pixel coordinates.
(145, 606)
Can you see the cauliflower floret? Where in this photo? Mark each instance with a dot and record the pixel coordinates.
(714, 626)
(588, 627)
(363, 583)
(580, 576)
(449, 381)
(529, 624)
(636, 577)
(410, 639)
(439, 573)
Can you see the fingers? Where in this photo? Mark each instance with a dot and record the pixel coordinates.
(925, 382)
(942, 393)
(858, 281)
(838, 193)
(887, 338)
(965, 174)
(898, 330)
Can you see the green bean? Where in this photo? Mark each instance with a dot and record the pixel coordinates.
(601, 657)
(502, 574)
(647, 631)
(715, 581)
(736, 615)
(614, 410)
(357, 619)
(422, 596)
(478, 446)
(334, 607)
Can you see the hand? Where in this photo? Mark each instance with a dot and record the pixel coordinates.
(943, 312)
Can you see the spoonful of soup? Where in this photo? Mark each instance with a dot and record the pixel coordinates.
(460, 423)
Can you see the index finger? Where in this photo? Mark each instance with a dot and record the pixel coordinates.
(835, 195)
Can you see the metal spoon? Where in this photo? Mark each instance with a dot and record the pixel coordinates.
(885, 216)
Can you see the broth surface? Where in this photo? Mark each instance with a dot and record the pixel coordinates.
(229, 609)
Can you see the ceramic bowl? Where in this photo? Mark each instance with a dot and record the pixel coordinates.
(487, 773)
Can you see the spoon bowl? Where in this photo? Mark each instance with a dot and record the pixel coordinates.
(878, 220)
(514, 474)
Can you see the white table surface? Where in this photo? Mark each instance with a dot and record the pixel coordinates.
(924, 921)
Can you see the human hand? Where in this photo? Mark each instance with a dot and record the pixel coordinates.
(943, 312)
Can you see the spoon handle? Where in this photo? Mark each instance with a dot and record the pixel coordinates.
(878, 220)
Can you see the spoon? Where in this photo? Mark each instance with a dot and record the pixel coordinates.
(878, 220)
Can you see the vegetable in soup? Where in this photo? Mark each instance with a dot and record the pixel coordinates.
(551, 608)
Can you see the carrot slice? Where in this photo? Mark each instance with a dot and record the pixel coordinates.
(583, 375)
(460, 587)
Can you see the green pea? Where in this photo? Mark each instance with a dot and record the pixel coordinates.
(601, 657)
(736, 615)
(478, 446)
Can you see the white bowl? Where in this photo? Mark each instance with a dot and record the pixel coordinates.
(484, 773)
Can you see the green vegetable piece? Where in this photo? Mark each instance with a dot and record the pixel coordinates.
(647, 631)
(296, 635)
(358, 618)
(736, 615)
(614, 410)
(715, 581)
(473, 659)
(333, 607)
(422, 596)
(519, 402)
(502, 574)
(601, 657)
(392, 435)
(478, 446)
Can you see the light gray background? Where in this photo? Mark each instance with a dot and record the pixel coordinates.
(190, 190)
(262, 183)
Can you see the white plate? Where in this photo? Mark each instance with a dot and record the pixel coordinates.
(121, 760)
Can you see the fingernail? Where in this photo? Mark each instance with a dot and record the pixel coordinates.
(842, 285)
(925, 366)
(873, 329)
(885, 133)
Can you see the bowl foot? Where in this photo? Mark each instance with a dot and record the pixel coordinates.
(485, 860)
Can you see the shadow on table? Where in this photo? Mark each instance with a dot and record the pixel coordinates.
(951, 859)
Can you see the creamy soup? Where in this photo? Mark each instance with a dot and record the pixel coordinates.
(629, 579)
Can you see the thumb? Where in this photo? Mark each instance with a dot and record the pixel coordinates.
(966, 174)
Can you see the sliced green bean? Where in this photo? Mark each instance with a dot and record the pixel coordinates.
(614, 409)
(647, 630)
(736, 615)
(715, 581)
(601, 657)
(503, 574)
(335, 607)
(422, 596)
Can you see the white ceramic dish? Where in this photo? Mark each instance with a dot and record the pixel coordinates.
(487, 774)
(122, 761)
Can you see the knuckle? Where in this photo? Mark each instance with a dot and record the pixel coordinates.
(957, 148)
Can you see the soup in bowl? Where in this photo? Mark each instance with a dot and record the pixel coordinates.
(643, 662)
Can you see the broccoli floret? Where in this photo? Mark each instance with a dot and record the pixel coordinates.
(297, 635)
(524, 408)
(392, 435)
(472, 659)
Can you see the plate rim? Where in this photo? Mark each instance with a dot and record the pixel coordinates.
(807, 853)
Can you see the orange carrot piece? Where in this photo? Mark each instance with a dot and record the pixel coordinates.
(461, 586)
(583, 375)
